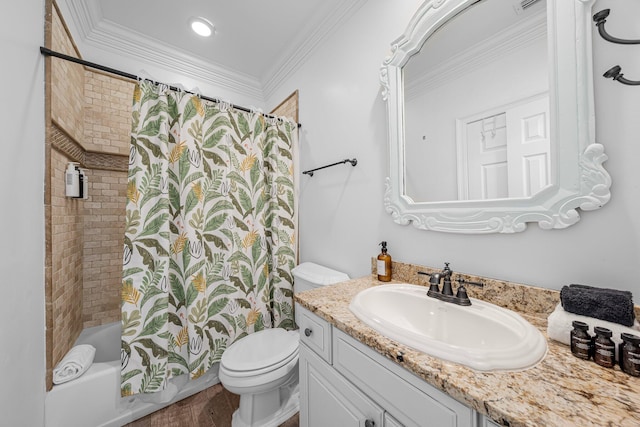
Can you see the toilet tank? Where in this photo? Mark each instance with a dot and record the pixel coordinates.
(309, 275)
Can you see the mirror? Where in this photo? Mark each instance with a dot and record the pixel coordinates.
(484, 133)
(494, 144)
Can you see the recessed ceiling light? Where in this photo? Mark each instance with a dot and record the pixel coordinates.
(202, 26)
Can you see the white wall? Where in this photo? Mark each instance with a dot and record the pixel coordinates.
(342, 218)
(22, 358)
(433, 113)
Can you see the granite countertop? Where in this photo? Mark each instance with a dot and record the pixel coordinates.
(562, 390)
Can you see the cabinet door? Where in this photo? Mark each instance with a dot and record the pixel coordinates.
(486, 422)
(389, 421)
(403, 395)
(314, 332)
(327, 399)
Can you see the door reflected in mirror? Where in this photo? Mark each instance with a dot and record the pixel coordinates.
(477, 121)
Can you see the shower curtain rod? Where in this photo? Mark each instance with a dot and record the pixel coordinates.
(49, 52)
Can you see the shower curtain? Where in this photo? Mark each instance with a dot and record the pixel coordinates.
(210, 235)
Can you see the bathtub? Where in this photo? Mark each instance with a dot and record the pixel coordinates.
(93, 400)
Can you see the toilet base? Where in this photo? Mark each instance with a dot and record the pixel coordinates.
(241, 417)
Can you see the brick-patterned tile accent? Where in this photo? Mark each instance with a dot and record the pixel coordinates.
(91, 117)
(108, 102)
(104, 222)
(288, 107)
(66, 246)
(106, 162)
(67, 83)
(61, 141)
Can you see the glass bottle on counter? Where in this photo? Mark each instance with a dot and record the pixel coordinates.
(384, 264)
(629, 354)
(604, 353)
(580, 340)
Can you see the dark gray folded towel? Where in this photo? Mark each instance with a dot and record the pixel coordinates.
(611, 305)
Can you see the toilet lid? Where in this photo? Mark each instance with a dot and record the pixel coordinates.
(261, 350)
(318, 274)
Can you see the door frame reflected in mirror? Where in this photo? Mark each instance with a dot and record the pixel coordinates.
(492, 57)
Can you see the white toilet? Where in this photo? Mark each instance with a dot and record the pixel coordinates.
(263, 367)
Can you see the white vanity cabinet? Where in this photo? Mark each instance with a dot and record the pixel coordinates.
(486, 422)
(327, 399)
(349, 384)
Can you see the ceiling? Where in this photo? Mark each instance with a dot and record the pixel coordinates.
(256, 45)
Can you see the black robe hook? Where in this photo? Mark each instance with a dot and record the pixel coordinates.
(615, 74)
(600, 18)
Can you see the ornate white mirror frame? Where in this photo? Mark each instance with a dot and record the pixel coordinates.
(580, 179)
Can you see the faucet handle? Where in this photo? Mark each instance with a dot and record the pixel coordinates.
(463, 281)
(434, 282)
(433, 277)
(446, 269)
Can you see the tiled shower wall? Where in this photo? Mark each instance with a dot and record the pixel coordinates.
(63, 220)
(107, 114)
(66, 250)
(90, 124)
(107, 128)
(288, 107)
(67, 92)
(104, 220)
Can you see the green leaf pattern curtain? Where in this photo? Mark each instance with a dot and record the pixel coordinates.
(210, 236)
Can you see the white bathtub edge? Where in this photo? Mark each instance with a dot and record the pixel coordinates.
(94, 399)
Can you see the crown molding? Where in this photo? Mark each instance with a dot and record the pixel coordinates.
(510, 39)
(115, 38)
(96, 32)
(82, 16)
(306, 44)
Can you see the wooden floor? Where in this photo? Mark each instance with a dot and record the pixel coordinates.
(212, 407)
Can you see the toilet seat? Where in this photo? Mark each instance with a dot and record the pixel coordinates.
(256, 372)
(260, 353)
(262, 368)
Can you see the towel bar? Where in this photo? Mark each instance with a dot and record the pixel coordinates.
(311, 171)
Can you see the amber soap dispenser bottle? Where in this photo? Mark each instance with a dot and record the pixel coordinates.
(384, 264)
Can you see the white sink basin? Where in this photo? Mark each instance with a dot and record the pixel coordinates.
(482, 336)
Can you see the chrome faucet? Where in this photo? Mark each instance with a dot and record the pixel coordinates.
(446, 294)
